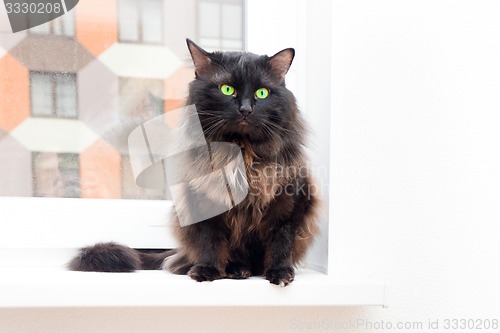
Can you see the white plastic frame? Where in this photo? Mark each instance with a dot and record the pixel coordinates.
(45, 232)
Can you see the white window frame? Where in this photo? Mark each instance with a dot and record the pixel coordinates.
(92, 220)
(92, 213)
(77, 222)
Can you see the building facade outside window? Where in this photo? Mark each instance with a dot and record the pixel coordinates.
(70, 103)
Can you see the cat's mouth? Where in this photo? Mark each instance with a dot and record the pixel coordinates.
(243, 125)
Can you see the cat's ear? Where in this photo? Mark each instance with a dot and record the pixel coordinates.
(281, 62)
(201, 58)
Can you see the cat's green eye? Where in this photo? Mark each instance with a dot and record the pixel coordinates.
(227, 89)
(262, 93)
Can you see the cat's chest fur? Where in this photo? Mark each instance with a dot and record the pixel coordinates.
(266, 181)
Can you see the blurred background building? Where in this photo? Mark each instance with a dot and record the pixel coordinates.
(72, 89)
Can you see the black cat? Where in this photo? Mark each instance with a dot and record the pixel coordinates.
(240, 98)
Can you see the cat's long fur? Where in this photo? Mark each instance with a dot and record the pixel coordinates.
(269, 232)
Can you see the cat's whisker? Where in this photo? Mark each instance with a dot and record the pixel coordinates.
(267, 131)
(223, 127)
(274, 125)
(211, 129)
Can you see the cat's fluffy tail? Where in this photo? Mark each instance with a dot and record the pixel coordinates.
(113, 257)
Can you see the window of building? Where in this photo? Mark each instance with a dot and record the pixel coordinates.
(61, 26)
(140, 21)
(53, 95)
(220, 25)
(56, 175)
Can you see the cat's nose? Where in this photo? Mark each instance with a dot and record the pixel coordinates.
(246, 107)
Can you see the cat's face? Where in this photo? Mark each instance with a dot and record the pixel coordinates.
(241, 95)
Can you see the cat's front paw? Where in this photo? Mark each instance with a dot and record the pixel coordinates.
(200, 272)
(281, 276)
(236, 270)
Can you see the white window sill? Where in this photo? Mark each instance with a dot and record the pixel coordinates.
(38, 236)
(23, 287)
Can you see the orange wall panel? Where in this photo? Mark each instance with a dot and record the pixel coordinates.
(14, 93)
(172, 104)
(100, 171)
(97, 24)
(175, 88)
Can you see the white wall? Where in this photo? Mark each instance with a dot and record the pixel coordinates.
(416, 163)
(416, 170)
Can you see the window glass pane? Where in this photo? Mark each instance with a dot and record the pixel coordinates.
(41, 94)
(41, 29)
(128, 19)
(69, 23)
(220, 25)
(64, 25)
(152, 21)
(209, 19)
(46, 175)
(58, 27)
(69, 172)
(66, 95)
(68, 105)
(231, 21)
